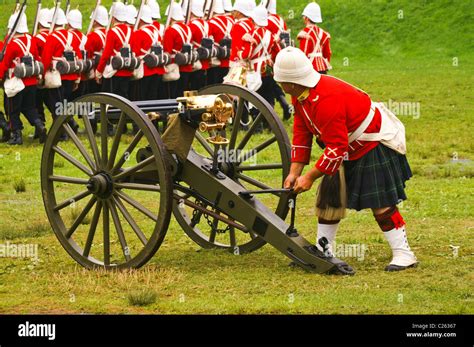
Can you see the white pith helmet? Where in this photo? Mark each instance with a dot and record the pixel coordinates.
(293, 66)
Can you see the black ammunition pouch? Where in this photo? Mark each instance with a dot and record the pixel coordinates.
(207, 49)
(156, 57)
(223, 51)
(285, 39)
(125, 61)
(187, 56)
(96, 59)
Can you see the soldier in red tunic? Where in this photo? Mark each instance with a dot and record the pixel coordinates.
(176, 36)
(44, 23)
(96, 43)
(60, 45)
(142, 41)
(242, 28)
(200, 30)
(349, 126)
(220, 27)
(20, 50)
(118, 37)
(314, 41)
(74, 19)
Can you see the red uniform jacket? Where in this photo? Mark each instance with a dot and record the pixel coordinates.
(331, 111)
(314, 41)
(261, 49)
(141, 42)
(117, 37)
(200, 29)
(40, 40)
(81, 39)
(14, 52)
(220, 27)
(238, 33)
(95, 42)
(54, 50)
(276, 24)
(175, 36)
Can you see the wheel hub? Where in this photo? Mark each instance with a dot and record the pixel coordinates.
(101, 185)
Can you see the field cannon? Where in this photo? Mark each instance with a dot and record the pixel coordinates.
(110, 199)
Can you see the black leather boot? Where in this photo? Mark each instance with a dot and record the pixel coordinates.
(5, 128)
(16, 138)
(40, 131)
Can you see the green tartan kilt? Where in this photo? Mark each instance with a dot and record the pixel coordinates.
(377, 180)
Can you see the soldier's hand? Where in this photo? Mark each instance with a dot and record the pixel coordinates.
(290, 181)
(75, 87)
(98, 80)
(303, 184)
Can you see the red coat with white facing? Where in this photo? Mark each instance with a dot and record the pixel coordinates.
(220, 27)
(40, 40)
(331, 111)
(276, 24)
(314, 42)
(259, 48)
(95, 42)
(200, 29)
(175, 37)
(14, 52)
(141, 42)
(116, 37)
(54, 50)
(239, 38)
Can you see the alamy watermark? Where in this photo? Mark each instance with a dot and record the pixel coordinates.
(22, 250)
(74, 108)
(341, 250)
(406, 109)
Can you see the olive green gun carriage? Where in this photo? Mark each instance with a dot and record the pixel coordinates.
(109, 199)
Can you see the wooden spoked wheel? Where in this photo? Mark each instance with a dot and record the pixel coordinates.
(101, 214)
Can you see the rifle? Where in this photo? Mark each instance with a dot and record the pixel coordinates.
(55, 16)
(94, 15)
(168, 19)
(211, 10)
(38, 9)
(13, 30)
(68, 6)
(188, 12)
(139, 14)
(17, 8)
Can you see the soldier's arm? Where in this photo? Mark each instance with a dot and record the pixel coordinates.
(108, 52)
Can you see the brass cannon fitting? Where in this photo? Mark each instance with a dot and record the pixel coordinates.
(217, 112)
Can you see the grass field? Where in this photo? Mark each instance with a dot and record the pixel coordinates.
(437, 77)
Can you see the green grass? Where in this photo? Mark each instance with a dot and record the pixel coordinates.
(183, 278)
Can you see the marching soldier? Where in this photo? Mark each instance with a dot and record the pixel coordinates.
(21, 50)
(242, 28)
(176, 36)
(118, 37)
(147, 36)
(200, 30)
(134, 85)
(60, 45)
(45, 16)
(348, 123)
(220, 27)
(96, 42)
(314, 41)
(277, 25)
(74, 19)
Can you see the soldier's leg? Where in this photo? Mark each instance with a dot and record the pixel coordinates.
(28, 108)
(4, 123)
(212, 75)
(280, 97)
(223, 71)
(183, 83)
(197, 80)
(13, 110)
(67, 97)
(161, 88)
